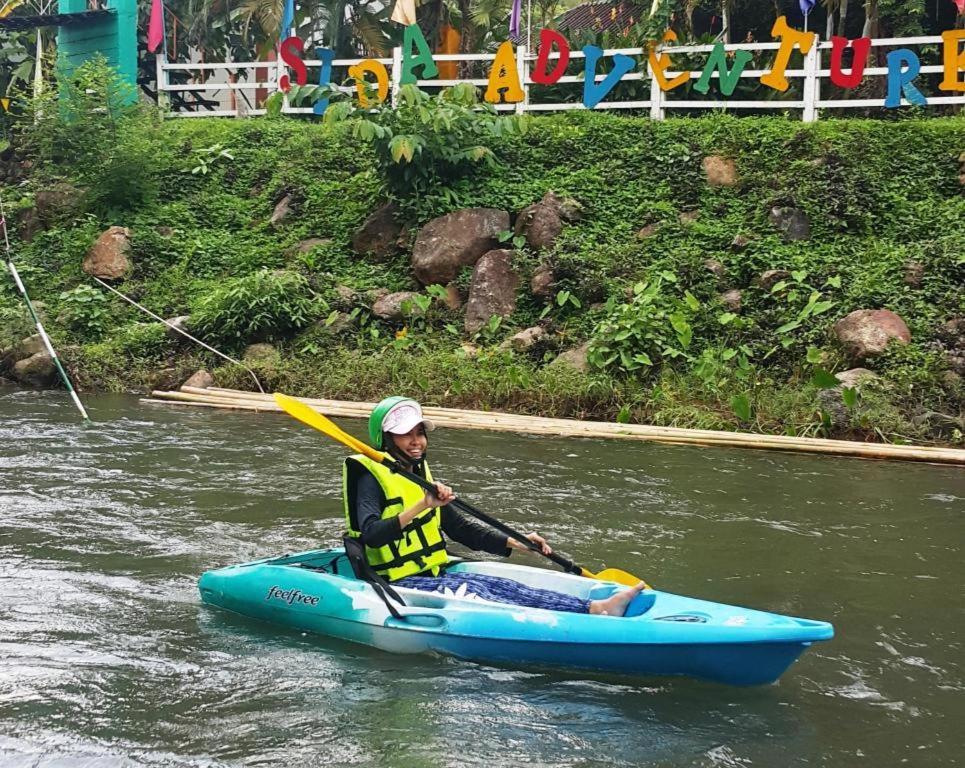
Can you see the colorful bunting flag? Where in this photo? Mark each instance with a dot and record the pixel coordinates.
(155, 28)
(404, 12)
(514, 18)
(961, 5)
(287, 19)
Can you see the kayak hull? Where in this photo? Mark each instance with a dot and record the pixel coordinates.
(662, 634)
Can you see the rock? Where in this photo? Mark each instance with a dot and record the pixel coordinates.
(645, 233)
(5, 382)
(541, 284)
(165, 231)
(793, 223)
(28, 347)
(307, 246)
(715, 267)
(732, 300)
(866, 332)
(831, 403)
(108, 256)
(689, 217)
(456, 240)
(939, 423)
(38, 370)
(469, 350)
(855, 377)
(180, 322)
(28, 224)
(374, 294)
(523, 340)
(952, 332)
(571, 210)
(346, 296)
(575, 358)
(952, 380)
(541, 222)
(955, 362)
(390, 307)
(259, 352)
(772, 277)
(343, 322)
(492, 290)
(282, 209)
(199, 379)
(56, 200)
(453, 297)
(739, 243)
(914, 272)
(720, 171)
(378, 237)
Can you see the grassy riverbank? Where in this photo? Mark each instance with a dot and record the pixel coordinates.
(883, 200)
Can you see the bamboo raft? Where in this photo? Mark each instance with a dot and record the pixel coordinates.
(217, 397)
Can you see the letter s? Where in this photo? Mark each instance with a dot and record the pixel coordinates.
(290, 50)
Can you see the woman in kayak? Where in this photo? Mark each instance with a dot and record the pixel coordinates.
(402, 527)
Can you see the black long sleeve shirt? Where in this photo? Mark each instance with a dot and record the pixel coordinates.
(376, 532)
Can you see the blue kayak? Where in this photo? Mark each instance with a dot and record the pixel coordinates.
(662, 633)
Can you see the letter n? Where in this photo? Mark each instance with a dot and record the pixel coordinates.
(728, 79)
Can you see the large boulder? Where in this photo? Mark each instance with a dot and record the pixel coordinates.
(378, 237)
(772, 277)
(395, 307)
(29, 346)
(541, 223)
(855, 377)
(447, 244)
(282, 210)
(867, 332)
(56, 200)
(575, 358)
(720, 171)
(200, 379)
(792, 223)
(492, 290)
(542, 282)
(108, 256)
(37, 370)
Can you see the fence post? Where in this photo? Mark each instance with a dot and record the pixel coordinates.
(396, 75)
(812, 64)
(161, 80)
(522, 67)
(656, 97)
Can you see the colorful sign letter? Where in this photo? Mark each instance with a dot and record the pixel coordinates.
(954, 61)
(839, 45)
(660, 64)
(290, 50)
(790, 39)
(900, 78)
(504, 77)
(325, 55)
(592, 93)
(377, 68)
(728, 79)
(547, 37)
(422, 58)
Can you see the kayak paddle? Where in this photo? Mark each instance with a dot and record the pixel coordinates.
(308, 415)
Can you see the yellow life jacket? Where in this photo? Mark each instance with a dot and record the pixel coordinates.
(421, 550)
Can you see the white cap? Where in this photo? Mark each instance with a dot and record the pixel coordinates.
(403, 417)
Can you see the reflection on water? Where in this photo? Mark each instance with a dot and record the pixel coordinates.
(108, 658)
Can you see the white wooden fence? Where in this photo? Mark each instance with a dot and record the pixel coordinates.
(238, 88)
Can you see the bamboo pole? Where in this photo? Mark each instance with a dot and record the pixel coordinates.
(537, 425)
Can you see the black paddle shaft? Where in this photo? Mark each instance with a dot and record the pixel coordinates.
(566, 564)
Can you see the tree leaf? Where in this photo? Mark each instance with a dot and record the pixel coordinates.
(823, 379)
(741, 404)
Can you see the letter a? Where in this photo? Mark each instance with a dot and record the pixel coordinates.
(900, 79)
(504, 77)
(861, 47)
(423, 58)
(790, 39)
(954, 61)
(728, 79)
(592, 93)
(547, 37)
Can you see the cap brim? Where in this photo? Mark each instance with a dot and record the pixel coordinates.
(408, 424)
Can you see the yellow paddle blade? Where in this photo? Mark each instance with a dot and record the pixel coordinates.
(308, 415)
(620, 577)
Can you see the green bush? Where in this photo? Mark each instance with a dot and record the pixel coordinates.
(85, 310)
(259, 305)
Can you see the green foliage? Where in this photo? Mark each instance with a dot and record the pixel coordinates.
(425, 143)
(92, 128)
(208, 156)
(261, 304)
(85, 310)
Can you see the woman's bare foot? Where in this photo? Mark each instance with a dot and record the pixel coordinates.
(617, 604)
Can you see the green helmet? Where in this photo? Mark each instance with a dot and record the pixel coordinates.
(377, 416)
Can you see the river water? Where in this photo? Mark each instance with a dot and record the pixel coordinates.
(107, 656)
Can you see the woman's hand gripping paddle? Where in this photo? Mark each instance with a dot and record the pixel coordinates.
(308, 415)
